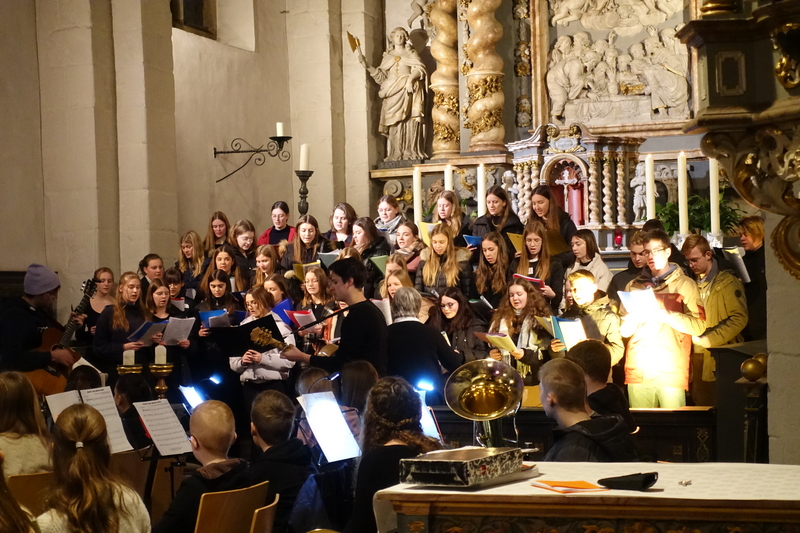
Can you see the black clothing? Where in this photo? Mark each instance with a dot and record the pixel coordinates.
(286, 466)
(21, 328)
(376, 248)
(84, 333)
(245, 263)
(309, 255)
(108, 341)
(611, 401)
(620, 281)
(278, 235)
(555, 280)
(134, 429)
(364, 334)
(487, 223)
(756, 294)
(415, 352)
(601, 439)
(379, 469)
(465, 276)
(331, 236)
(215, 477)
(466, 343)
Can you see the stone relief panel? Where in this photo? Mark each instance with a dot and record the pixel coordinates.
(598, 84)
(627, 17)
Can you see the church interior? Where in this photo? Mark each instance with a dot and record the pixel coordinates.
(125, 123)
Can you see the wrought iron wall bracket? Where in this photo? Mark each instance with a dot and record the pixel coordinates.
(274, 149)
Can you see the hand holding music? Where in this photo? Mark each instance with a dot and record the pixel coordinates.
(203, 331)
(548, 292)
(157, 338)
(185, 343)
(519, 353)
(557, 346)
(133, 346)
(495, 354)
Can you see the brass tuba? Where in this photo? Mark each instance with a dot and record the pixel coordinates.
(484, 391)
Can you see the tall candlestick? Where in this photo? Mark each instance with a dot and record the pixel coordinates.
(683, 196)
(650, 186)
(448, 178)
(417, 192)
(161, 355)
(713, 194)
(128, 358)
(303, 157)
(279, 129)
(481, 192)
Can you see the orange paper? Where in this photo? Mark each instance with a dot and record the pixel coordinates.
(567, 487)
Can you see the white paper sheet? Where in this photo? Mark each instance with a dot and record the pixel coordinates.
(178, 329)
(640, 303)
(219, 321)
(146, 331)
(164, 427)
(102, 400)
(329, 426)
(385, 308)
(572, 331)
(59, 402)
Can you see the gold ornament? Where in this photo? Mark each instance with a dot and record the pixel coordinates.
(752, 369)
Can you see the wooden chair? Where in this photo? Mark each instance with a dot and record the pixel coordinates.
(129, 467)
(230, 511)
(264, 518)
(30, 490)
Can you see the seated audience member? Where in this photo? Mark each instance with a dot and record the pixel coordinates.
(723, 299)
(356, 380)
(132, 388)
(416, 350)
(84, 495)
(23, 435)
(604, 398)
(13, 517)
(579, 437)
(284, 461)
(212, 434)
(83, 377)
(592, 307)
(392, 431)
(363, 334)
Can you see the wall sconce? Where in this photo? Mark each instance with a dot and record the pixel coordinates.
(274, 149)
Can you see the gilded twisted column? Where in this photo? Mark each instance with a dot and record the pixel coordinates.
(608, 207)
(594, 208)
(444, 80)
(485, 78)
(523, 171)
(622, 218)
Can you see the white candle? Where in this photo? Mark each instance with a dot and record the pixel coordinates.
(128, 358)
(481, 193)
(161, 355)
(448, 178)
(713, 194)
(683, 196)
(279, 129)
(650, 186)
(417, 191)
(303, 157)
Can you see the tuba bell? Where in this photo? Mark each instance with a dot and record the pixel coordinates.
(484, 391)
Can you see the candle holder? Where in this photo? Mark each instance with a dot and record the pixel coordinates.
(274, 149)
(679, 238)
(161, 372)
(129, 369)
(715, 239)
(302, 205)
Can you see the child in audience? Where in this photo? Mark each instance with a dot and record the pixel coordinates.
(212, 432)
(284, 461)
(85, 496)
(23, 435)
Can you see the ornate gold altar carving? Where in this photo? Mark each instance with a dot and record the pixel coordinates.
(787, 69)
(522, 59)
(563, 142)
(444, 81)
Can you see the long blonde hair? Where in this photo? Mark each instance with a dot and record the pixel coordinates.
(120, 320)
(266, 250)
(488, 276)
(455, 216)
(543, 267)
(85, 491)
(19, 408)
(195, 265)
(430, 272)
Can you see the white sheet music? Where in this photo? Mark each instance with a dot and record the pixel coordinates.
(146, 331)
(164, 427)
(59, 402)
(178, 329)
(102, 400)
(329, 426)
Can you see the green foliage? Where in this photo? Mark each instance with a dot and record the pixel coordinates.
(700, 215)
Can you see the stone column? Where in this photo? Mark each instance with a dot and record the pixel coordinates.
(622, 218)
(145, 129)
(485, 79)
(523, 171)
(594, 208)
(608, 201)
(444, 81)
(78, 142)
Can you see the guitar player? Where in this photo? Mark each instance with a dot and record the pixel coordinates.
(24, 319)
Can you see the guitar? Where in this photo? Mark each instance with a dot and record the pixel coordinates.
(53, 378)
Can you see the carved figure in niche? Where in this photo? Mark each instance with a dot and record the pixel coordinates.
(565, 79)
(509, 185)
(403, 82)
(524, 111)
(522, 59)
(665, 81)
(639, 185)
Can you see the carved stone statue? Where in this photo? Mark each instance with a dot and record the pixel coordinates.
(665, 80)
(564, 78)
(639, 185)
(509, 185)
(403, 82)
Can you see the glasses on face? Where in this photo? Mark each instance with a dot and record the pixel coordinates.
(246, 239)
(448, 306)
(648, 253)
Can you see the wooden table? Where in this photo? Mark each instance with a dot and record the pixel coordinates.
(722, 498)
